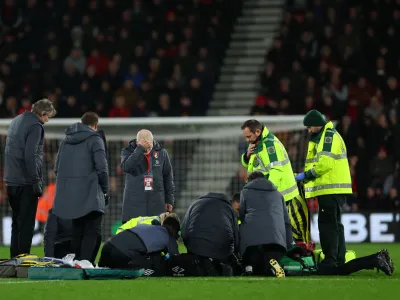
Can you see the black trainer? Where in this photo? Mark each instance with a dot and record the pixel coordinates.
(385, 253)
(384, 262)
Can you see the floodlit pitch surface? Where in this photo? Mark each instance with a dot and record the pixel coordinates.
(362, 285)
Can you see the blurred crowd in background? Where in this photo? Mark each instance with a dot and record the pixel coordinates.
(343, 60)
(144, 58)
(119, 58)
(136, 58)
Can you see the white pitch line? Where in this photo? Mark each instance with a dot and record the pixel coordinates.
(216, 279)
(27, 281)
(291, 278)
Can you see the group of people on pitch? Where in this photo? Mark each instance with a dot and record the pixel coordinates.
(272, 213)
(252, 232)
(246, 235)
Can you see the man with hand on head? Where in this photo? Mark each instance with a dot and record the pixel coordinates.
(149, 181)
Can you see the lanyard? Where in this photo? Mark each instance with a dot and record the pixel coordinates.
(149, 160)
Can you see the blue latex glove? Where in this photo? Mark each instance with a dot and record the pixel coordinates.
(300, 177)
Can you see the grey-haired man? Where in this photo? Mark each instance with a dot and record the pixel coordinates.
(23, 159)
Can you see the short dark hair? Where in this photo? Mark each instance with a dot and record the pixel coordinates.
(235, 198)
(252, 124)
(173, 225)
(90, 119)
(254, 175)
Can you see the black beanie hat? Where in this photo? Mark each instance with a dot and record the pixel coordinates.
(314, 118)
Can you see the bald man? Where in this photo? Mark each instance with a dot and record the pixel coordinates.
(149, 181)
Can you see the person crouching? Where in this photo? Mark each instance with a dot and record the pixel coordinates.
(265, 231)
(140, 241)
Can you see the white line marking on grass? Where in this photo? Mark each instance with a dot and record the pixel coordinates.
(292, 278)
(228, 279)
(28, 281)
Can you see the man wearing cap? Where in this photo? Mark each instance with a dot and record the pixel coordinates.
(327, 177)
(23, 159)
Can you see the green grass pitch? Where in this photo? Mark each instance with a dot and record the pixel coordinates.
(362, 285)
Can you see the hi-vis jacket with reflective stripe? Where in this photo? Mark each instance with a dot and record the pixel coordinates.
(138, 221)
(271, 158)
(327, 169)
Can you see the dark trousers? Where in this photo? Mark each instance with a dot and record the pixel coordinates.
(331, 230)
(86, 233)
(62, 249)
(355, 265)
(259, 256)
(111, 257)
(212, 267)
(24, 205)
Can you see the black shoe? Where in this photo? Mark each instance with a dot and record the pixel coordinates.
(384, 262)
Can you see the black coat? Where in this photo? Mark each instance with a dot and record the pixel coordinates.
(264, 216)
(137, 201)
(210, 227)
(23, 154)
(82, 173)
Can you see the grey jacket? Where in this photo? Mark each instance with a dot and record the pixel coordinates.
(82, 173)
(155, 238)
(264, 216)
(23, 154)
(210, 227)
(137, 201)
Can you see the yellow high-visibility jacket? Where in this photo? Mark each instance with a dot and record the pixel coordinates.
(327, 169)
(271, 158)
(137, 221)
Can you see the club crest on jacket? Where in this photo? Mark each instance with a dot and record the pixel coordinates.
(155, 154)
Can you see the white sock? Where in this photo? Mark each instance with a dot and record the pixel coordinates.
(249, 269)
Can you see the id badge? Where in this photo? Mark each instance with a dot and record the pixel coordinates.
(148, 183)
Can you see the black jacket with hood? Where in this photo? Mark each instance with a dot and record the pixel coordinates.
(82, 173)
(210, 227)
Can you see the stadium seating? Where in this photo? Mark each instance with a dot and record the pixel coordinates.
(343, 60)
(119, 58)
(162, 58)
(135, 58)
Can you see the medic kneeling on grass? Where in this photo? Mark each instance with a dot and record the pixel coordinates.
(131, 246)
